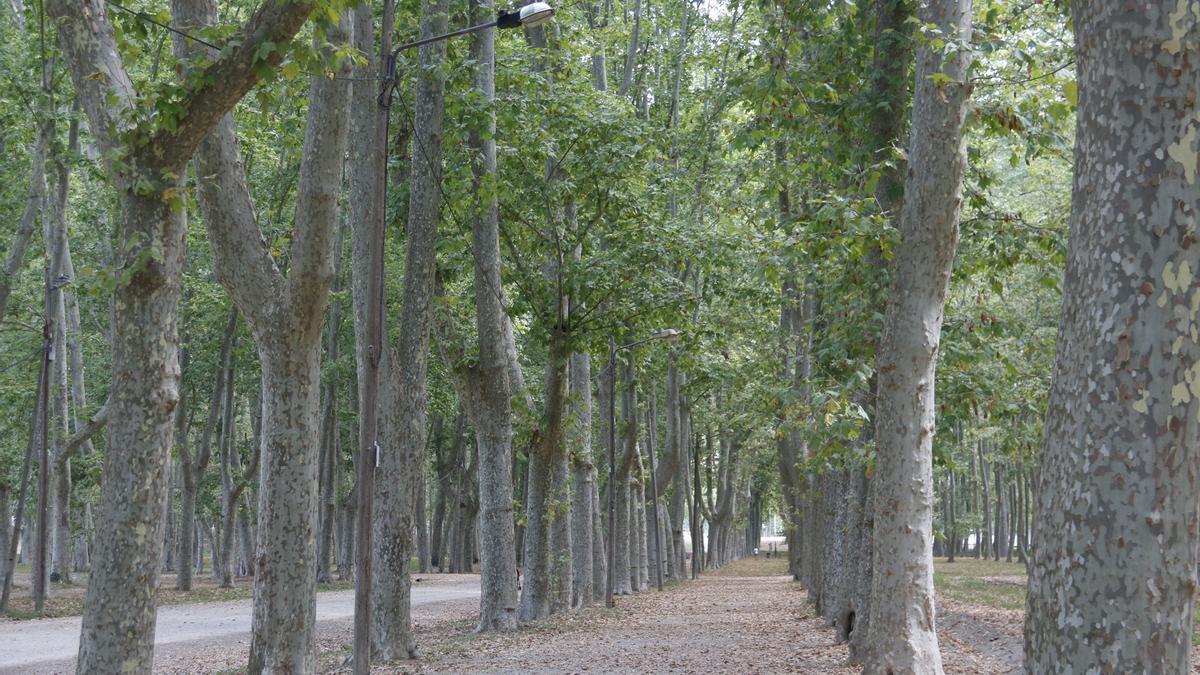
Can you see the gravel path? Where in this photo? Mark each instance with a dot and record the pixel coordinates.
(721, 623)
(187, 635)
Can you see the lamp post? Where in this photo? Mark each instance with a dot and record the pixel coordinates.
(667, 334)
(531, 14)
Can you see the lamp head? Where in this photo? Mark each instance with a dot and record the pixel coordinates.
(665, 334)
(530, 15)
(535, 13)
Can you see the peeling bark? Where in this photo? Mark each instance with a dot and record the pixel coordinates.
(901, 635)
(1113, 569)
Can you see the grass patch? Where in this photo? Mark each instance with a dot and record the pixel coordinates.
(999, 585)
(751, 567)
(68, 600)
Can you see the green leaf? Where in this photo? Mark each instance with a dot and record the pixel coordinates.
(264, 50)
(1071, 91)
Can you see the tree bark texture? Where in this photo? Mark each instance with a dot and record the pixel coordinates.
(118, 623)
(901, 633)
(583, 481)
(498, 605)
(396, 496)
(1113, 570)
(285, 314)
(542, 503)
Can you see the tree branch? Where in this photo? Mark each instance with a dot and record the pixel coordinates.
(93, 426)
(226, 81)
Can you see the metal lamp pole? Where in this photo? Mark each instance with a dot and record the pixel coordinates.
(667, 334)
(530, 15)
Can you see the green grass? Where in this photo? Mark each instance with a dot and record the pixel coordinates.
(981, 582)
(750, 567)
(987, 583)
(68, 600)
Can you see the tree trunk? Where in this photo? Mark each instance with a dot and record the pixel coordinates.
(34, 201)
(951, 529)
(1001, 543)
(119, 612)
(192, 468)
(330, 456)
(631, 53)
(285, 314)
(901, 633)
(985, 533)
(542, 499)
(396, 491)
(622, 487)
(583, 481)
(493, 421)
(1113, 570)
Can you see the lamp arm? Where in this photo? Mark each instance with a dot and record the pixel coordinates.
(500, 18)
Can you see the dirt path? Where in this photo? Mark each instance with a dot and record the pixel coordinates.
(718, 624)
(204, 637)
(744, 618)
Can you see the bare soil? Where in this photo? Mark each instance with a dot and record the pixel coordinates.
(745, 617)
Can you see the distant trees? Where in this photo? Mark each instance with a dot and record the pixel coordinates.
(760, 177)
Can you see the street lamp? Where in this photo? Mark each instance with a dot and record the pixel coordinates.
(665, 334)
(531, 14)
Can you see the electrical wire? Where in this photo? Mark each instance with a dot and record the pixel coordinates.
(142, 16)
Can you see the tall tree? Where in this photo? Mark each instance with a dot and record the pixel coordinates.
(192, 466)
(1112, 576)
(145, 163)
(285, 314)
(901, 635)
(493, 417)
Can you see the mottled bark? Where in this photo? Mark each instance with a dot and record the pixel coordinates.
(396, 491)
(35, 198)
(890, 88)
(493, 423)
(285, 315)
(118, 622)
(1113, 570)
(542, 507)
(54, 229)
(637, 498)
(677, 469)
(901, 634)
(330, 456)
(583, 482)
(624, 528)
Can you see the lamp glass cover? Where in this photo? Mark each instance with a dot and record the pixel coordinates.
(536, 13)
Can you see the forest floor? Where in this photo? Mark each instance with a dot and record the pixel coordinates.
(746, 617)
(211, 637)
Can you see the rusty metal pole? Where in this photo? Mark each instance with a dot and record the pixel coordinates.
(368, 429)
(43, 405)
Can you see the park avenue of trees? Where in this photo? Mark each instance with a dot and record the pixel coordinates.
(289, 302)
